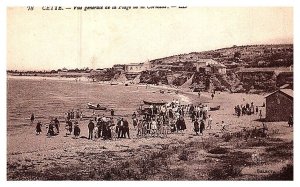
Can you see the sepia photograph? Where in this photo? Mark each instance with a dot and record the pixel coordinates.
(149, 93)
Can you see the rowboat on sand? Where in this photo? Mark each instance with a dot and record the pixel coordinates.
(215, 108)
(96, 107)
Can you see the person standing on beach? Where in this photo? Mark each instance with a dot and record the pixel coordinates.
(112, 112)
(209, 122)
(99, 126)
(68, 115)
(70, 125)
(104, 130)
(252, 108)
(51, 129)
(126, 129)
(151, 110)
(140, 128)
(202, 127)
(212, 96)
(154, 127)
(120, 126)
(196, 126)
(56, 122)
(180, 124)
(243, 110)
(91, 126)
(199, 94)
(38, 128)
(134, 120)
(77, 114)
(72, 114)
(238, 110)
(32, 118)
(76, 129)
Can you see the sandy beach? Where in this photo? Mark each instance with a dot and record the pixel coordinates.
(175, 157)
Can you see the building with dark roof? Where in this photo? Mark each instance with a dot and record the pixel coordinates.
(279, 105)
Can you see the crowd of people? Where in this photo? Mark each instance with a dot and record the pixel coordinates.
(247, 109)
(74, 114)
(162, 120)
(153, 121)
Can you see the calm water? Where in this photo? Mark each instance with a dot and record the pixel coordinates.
(46, 98)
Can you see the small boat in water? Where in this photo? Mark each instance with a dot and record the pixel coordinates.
(215, 108)
(154, 103)
(96, 107)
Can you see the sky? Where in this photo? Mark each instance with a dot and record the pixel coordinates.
(45, 40)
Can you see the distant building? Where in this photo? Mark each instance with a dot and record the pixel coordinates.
(119, 67)
(200, 63)
(137, 67)
(134, 67)
(218, 68)
(64, 70)
(279, 105)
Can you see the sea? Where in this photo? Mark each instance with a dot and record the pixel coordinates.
(49, 98)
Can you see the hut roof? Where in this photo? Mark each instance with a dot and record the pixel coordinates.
(287, 92)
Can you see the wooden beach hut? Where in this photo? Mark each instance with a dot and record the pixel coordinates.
(279, 105)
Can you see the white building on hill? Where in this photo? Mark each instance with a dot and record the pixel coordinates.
(137, 67)
(202, 63)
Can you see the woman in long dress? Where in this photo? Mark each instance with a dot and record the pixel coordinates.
(38, 127)
(202, 126)
(196, 126)
(76, 130)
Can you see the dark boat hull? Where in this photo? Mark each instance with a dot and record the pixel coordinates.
(96, 108)
(214, 108)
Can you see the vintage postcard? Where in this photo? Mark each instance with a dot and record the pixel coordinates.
(149, 93)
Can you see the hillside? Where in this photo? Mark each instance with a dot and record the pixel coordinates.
(249, 55)
(249, 68)
(255, 68)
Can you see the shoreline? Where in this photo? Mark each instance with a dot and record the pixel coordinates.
(41, 158)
